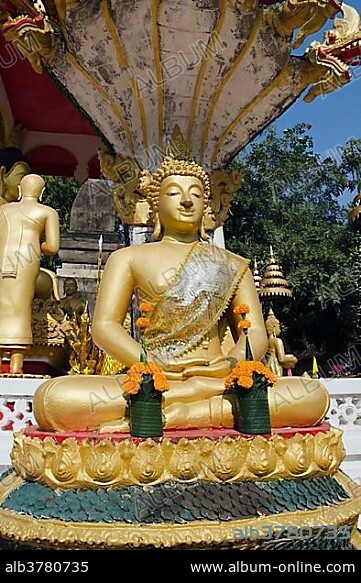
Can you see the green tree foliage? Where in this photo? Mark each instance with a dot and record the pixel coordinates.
(60, 193)
(289, 198)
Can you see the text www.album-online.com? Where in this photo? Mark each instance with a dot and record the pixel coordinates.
(296, 567)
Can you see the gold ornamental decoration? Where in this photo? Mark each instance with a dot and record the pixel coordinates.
(130, 203)
(306, 15)
(229, 459)
(133, 206)
(224, 185)
(339, 49)
(33, 35)
(84, 535)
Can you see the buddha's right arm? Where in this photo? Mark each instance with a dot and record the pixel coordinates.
(111, 307)
(52, 233)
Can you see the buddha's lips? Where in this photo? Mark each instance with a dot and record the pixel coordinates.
(186, 213)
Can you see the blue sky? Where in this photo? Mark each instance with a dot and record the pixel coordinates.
(335, 117)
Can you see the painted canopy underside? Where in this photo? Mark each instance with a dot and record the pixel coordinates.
(136, 68)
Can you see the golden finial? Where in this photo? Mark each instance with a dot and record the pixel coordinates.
(273, 282)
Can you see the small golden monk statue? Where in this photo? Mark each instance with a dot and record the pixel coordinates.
(72, 304)
(194, 287)
(22, 225)
(276, 359)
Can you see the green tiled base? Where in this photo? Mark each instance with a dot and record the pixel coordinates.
(174, 504)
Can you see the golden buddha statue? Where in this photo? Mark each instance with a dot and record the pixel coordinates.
(276, 359)
(194, 287)
(72, 304)
(22, 225)
(13, 163)
(9, 181)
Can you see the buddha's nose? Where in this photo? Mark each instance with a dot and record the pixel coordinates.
(186, 201)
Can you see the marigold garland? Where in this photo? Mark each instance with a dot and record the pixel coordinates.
(133, 379)
(242, 309)
(242, 374)
(143, 323)
(243, 324)
(146, 307)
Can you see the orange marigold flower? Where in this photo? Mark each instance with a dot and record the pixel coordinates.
(245, 382)
(143, 323)
(242, 374)
(241, 309)
(133, 379)
(243, 324)
(228, 383)
(132, 382)
(160, 382)
(146, 307)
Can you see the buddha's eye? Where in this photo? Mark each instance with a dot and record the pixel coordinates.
(196, 193)
(173, 193)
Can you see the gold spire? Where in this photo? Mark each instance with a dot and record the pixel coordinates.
(273, 282)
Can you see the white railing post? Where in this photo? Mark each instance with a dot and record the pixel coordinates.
(16, 395)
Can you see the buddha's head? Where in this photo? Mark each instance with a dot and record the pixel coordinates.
(32, 186)
(70, 286)
(178, 193)
(10, 181)
(272, 324)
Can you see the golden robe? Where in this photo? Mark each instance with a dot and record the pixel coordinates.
(19, 265)
(194, 300)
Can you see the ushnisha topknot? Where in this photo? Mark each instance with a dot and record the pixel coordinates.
(149, 183)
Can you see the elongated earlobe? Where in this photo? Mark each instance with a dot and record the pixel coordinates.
(157, 233)
(202, 232)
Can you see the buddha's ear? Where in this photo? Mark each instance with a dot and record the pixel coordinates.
(157, 233)
(202, 232)
(2, 181)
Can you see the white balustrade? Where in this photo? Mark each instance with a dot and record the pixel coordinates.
(345, 413)
(16, 397)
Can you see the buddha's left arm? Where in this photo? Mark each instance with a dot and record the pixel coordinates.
(247, 294)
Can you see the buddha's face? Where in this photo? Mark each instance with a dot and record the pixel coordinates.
(181, 203)
(274, 329)
(70, 287)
